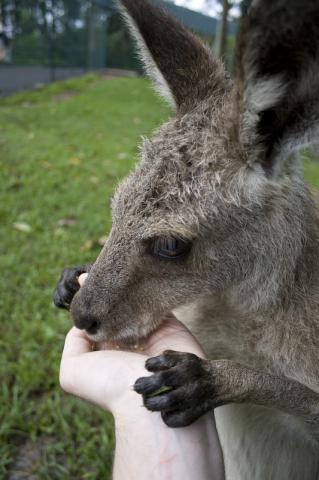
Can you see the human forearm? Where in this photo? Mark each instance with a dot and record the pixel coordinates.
(179, 454)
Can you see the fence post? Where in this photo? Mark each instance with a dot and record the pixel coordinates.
(90, 35)
(51, 39)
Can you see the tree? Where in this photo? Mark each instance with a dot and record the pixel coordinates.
(222, 30)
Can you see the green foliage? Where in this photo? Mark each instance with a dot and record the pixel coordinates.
(311, 168)
(121, 52)
(62, 151)
(46, 32)
(78, 35)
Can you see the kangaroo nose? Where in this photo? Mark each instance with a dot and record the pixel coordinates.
(87, 322)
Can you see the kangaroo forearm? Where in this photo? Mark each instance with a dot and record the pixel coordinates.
(199, 385)
(238, 384)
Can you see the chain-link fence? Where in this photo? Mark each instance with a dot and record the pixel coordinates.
(46, 40)
(65, 36)
(67, 33)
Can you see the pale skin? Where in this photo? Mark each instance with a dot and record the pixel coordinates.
(145, 446)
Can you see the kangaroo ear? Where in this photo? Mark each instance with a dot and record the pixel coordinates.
(278, 75)
(184, 71)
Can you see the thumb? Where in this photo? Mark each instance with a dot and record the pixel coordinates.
(82, 278)
(76, 343)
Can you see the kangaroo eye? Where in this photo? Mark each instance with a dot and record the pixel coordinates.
(170, 248)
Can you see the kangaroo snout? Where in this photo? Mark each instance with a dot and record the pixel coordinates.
(87, 322)
(97, 307)
(83, 317)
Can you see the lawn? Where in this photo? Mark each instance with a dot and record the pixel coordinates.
(62, 151)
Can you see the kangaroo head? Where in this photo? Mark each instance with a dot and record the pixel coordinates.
(213, 205)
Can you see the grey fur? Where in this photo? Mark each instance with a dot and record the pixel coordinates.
(223, 173)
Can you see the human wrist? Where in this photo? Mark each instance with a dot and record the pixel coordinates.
(168, 450)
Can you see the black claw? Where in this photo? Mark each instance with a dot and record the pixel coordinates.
(59, 301)
(153, 364)
(68, 286)
(162, 362)
(148, 385)
(177, 419)
(154, 404)
(164, 402)
(173, 419)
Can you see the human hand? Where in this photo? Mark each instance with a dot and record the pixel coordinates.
(106, 376)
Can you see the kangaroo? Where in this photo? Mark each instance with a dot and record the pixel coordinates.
(216, 225)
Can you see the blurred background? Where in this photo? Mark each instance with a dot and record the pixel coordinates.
(45, 40)
(73, 106)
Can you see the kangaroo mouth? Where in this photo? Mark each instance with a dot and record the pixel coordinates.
(130, 337)
(121, 341)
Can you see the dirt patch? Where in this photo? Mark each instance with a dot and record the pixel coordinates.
(60, 97)
(30, 455)
(107, 74)
(116, 73)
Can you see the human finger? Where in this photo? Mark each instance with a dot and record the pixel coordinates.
(82, 278)
(76, 343)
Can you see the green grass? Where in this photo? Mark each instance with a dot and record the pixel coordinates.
(311, 169)
(62, 151)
